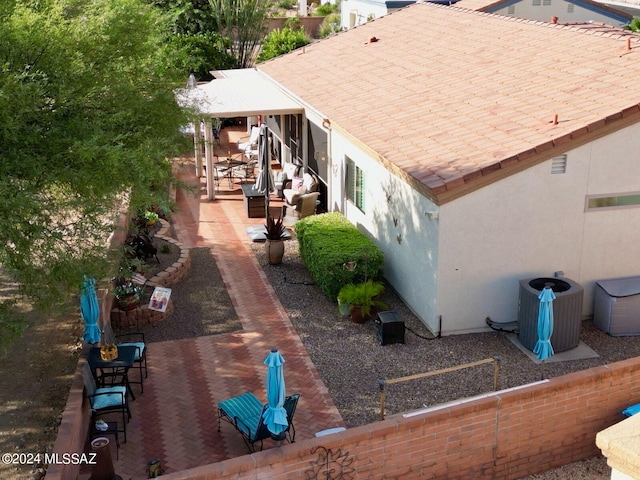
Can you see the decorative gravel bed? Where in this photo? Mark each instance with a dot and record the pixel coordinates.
(351, 360)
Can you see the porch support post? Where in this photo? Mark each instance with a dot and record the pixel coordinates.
(197, 141)
(208, 154)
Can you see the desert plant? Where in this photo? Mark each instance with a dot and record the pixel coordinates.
(330, 25)
(363, 295)
(275, 229)
(279, 42)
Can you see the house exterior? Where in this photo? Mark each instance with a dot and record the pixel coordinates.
(358, 12)
(476, 150)
(564, 11)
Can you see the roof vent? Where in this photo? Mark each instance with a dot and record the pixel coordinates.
(559, 164)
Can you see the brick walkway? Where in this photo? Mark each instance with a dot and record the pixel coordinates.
(175, 418)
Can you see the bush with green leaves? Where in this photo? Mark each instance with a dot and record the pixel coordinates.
(279, 42)
(202, 52)
(336, 253)
(327, 9)
(330, 25)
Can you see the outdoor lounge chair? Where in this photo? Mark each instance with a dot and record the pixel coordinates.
(245, 411)
(252, 143)
(631, 410)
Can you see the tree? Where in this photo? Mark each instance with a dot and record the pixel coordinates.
(88, 122)
(202, 52)
(244, 22)
(279, 42)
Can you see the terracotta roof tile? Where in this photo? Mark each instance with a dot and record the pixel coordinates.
(446, 83)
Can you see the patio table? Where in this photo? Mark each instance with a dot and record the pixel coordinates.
(225, 168)
(119, 366)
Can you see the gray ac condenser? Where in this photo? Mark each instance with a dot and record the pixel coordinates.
(567, 312)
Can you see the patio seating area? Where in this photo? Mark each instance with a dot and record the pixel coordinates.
(175, 419)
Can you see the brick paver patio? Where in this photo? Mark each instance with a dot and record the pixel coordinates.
(175, 418)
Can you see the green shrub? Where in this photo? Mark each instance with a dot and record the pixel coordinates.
(336, 253)
(286, 4)
(327, 9)
(279, 42)
(330, 25)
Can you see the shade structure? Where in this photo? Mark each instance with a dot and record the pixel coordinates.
(543, 348)
(90, 311)
(275, 416)
(264, 182)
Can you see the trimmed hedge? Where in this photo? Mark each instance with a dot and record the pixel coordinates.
(336, 253)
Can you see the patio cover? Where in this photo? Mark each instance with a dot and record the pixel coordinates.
(238, 93)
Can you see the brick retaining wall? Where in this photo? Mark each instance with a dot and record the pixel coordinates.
(174, 274)
(502, 435)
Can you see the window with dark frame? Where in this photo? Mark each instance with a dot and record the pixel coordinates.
(355, 184)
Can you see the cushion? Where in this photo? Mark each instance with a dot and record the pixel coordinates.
(139, 349)
(291, 196)
(297, 183)
(246, 408)
(108, 397)
(632, 410)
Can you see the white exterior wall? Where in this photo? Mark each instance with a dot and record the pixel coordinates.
(533, 224)
(362, 9)
(410, 244)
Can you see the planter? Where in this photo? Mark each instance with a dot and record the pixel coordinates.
(274, 250)
(128, 302)
(357, 316)
(344, 308)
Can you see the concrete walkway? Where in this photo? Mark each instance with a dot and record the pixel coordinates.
(175, 419)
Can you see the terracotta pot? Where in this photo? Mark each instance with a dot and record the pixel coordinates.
(128, 302)
(357, 316)
(274, 250)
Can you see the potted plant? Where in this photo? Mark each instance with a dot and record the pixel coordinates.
(346, 294)
(363, 299)
(126, 292)
(274, 243)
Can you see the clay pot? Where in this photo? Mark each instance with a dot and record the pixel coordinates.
(274, 250)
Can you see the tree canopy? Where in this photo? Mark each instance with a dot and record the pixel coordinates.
(88, 118)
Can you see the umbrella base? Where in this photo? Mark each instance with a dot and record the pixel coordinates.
(279, 437)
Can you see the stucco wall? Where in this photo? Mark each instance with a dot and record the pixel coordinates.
(533, 224)
(401, 221)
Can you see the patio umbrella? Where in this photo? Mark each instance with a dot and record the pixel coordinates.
(543, 348)
(275, 416)
(264, 181)
(90, 311)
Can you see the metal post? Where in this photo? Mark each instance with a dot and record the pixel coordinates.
(208, 153)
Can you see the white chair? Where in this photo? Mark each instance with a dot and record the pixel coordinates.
(252, 143)
(308, 184)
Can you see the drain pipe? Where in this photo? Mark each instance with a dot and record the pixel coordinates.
(439, 326)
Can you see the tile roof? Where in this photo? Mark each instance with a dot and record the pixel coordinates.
(453, 99)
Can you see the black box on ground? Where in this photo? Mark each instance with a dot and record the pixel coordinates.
(390, 328)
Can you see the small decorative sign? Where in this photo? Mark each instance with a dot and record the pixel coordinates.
(159, 299)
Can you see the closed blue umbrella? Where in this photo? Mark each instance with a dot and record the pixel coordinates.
(90, 311)
(543, 348)
(275, 416)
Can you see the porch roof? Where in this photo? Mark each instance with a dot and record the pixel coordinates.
(239, 93)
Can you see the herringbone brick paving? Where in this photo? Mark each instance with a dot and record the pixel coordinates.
(175, 419)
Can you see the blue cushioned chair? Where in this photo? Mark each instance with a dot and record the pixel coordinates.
(632, 410)
(245, 411)
(131, 339)
(107, 399)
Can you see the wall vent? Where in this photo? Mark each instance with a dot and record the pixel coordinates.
(559, 164)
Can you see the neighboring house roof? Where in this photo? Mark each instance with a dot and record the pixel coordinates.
(492, 6)
(452, 99)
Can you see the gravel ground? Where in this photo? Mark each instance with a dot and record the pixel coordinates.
(336, 345)
(350, 359)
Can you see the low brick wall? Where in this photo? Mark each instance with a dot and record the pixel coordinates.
(74, 426)
(502, 435)
(172, 275)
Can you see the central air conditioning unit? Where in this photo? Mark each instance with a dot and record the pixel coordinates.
(567, 312)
